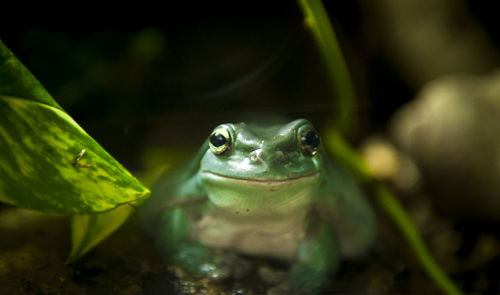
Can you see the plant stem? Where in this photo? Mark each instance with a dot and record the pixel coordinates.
(316, 19)
(351, 159)
(397, 213)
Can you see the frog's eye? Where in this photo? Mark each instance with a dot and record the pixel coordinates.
(220, 140)
(309, 140)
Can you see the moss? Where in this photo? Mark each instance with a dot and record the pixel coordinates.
(19, 259)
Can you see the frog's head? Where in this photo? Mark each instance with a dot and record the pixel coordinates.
(255, 169)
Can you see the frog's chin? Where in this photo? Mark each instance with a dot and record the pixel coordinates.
(257, 181)
(249, 197)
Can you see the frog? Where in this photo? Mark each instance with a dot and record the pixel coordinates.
(264, 190)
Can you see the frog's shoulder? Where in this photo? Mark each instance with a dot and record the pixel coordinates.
(343, 205)
(174, 187)
(338, 182)
(185, 175)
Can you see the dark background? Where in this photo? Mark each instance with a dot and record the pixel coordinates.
(146, 75)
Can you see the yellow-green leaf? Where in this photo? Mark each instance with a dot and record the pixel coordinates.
(88, 230)
(38, 147)
(48, 162)
(17, 81)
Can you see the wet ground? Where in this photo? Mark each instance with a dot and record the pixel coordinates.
(34, 246)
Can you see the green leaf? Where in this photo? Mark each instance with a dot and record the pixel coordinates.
(38, 146)
(49, 163)
(89, 230)
(17, 81)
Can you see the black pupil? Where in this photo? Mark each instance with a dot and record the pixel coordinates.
(217, 140)
(311, 139)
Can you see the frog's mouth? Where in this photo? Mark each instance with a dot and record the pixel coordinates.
(259, 180)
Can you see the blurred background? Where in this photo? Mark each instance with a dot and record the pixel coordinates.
(425, 75)
(197, 66)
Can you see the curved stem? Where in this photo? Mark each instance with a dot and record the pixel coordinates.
(397, 213)
(316, 19)
(392, 207)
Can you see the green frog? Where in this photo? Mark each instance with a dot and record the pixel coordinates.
(261, 190)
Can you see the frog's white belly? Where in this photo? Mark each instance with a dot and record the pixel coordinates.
(271, 238)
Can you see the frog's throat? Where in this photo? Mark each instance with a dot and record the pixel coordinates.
(268, 181)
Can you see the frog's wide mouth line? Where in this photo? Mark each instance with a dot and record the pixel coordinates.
(269, 181)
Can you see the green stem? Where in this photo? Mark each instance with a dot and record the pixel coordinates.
(317, 20)
(391, 206)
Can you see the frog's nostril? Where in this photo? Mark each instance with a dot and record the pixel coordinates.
(260, 156)
(255, 156)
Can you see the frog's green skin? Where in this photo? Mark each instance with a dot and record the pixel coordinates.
(265, 195)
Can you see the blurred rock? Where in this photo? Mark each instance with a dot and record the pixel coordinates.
(426, 39)
(452, 131)
(381, 157)
(387, 163)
